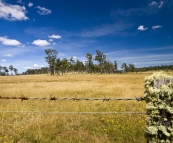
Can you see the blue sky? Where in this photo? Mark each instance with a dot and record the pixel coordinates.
(132, 32)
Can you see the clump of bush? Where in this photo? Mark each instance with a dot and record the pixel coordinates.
(159, 99)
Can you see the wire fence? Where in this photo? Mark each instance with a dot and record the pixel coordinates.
(39, 112)
(22, 98)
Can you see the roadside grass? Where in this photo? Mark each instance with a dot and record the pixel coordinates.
(72, 128)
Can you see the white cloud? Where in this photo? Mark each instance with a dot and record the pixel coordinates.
(8, 55)
(35, 65)
(4, 60)
(19, 1)
(40, 42)
(43, 10)
(156, 27)
(9, 42)
(161, 4)
(117, 28)
(12, 12)
(55, 36)
(142, 28)
(153, 3)
(51, 40)
(74, 57)
(22, 46)
(28, 67)
(30, 4)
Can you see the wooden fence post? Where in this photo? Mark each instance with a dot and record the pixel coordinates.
(159, 106)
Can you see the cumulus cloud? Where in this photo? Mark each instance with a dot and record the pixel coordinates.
(40, 42)
(142, 28)
(30, 4)
(156, 27)
(12, 12)
(55, 36)
(3, 60)
(9, 42)
(43, 10)
(8, 55)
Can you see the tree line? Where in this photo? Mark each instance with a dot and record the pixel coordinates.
(93, 64)
(154, 68)
(62, 66)
(4, 71)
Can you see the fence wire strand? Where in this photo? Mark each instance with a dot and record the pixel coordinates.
(22, 98)
(68, 98)
(42, 112)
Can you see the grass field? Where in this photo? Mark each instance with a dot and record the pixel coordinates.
(72, 128)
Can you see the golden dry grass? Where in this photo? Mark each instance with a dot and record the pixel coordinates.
(76, 128)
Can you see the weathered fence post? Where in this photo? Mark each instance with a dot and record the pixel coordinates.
(159, 106)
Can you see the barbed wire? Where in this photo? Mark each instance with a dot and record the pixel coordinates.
(43, 112)
(22, 98)
(70, 98)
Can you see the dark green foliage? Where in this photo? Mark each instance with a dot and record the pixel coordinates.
(124, 67)
(100, 57)
(51, 59)
(4, 71)
(89, 62)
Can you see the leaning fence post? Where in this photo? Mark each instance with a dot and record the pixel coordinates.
(159, 107)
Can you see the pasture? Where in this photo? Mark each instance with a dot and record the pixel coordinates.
(72, 128)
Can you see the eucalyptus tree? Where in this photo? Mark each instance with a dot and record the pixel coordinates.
(115, 66)
(0, 69)
(58, 65)
(15, 71)
(131, 67)
(64, 65)
(51, 59)
(100, 57)
(79, 66)
(44, 70)
(124, 67)
(72, 63)
(6, 70)
(108, 67)
(11, 68)
(89, 62)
